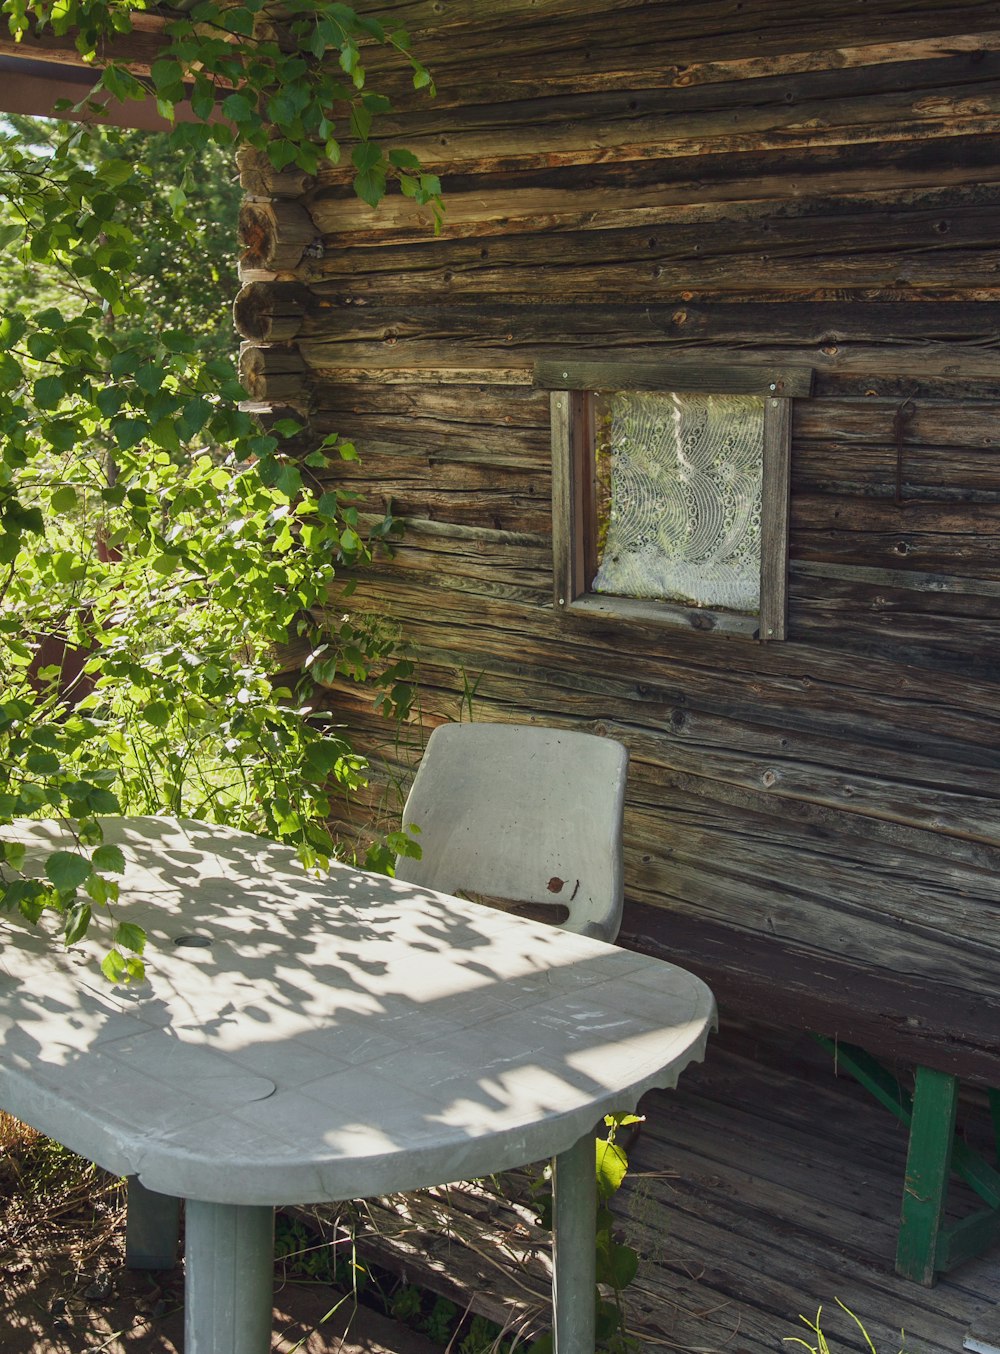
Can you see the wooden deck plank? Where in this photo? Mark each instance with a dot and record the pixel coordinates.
(762, 1188)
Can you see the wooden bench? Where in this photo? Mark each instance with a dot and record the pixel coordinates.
(867, 1016)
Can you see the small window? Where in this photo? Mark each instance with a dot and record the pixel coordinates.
(670, 492)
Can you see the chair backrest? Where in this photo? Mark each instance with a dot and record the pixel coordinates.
(524, 814)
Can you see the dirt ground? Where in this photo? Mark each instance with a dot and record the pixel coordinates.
(65, 1288)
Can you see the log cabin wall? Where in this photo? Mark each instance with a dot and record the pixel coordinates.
(700, 180)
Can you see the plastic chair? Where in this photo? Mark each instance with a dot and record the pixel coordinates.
(525, 814)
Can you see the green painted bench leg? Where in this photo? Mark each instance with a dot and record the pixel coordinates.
(994, 1097)
(928, 1164)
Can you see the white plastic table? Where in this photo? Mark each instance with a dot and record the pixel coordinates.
(300, 1040)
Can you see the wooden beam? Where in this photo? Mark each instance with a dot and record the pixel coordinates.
(774, 517)
(34, 88)
(137, 49)
(717, 379)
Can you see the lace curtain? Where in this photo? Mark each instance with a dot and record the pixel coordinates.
(679, 494)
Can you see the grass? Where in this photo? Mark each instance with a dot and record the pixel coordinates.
(49, 1195)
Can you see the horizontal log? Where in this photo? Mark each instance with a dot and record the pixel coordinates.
(468, 32)
(817, 769)
(136, 49)
(400, 374)
(613, 195)
(672, 124)
(821, 247)
(954, 629)
(793, 684)
(521, 320)
(523, 697)
(935, 585)
(743, 379)
(508, 495)
(863, 515)
(931, 1022)
(468, 78)
(749, 882)
(937, 370)
(449, 421)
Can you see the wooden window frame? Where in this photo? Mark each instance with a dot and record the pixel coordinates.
(573, 386)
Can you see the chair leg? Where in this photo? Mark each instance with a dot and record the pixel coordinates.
(928, 1165)
(574, 1248)
(152, 1229)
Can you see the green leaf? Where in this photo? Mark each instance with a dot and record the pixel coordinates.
(64, 499)
(624, 1266)
(108, 857)
(157, 714)
(129, 432)
(113, 966)
(237, 107)
(12, 853)
(202, 101)
(11, 374)
(361, 122)
(289, 480)
(369, 185)
(42, 763)
(49, 391)
(130, 937)
(323, 757)
(115, 172)
(12, 328)
(135, 970)
(404, 159)
(101, 890)
(76, 923)
(67, 870)
(612, 1164)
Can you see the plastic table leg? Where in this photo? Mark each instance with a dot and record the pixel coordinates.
(574, 1252)
(229, 1278)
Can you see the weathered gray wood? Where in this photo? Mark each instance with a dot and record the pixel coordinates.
(948, 584)
(809, 821)
(775, 492)
(738, 380)
(566, 581)
(626, 611)
(748, 1201)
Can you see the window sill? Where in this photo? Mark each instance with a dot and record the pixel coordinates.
(630, 610)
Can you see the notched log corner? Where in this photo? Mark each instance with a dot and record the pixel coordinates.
(270, 312)
(259, 178)
(274, 235)
(274, 375)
